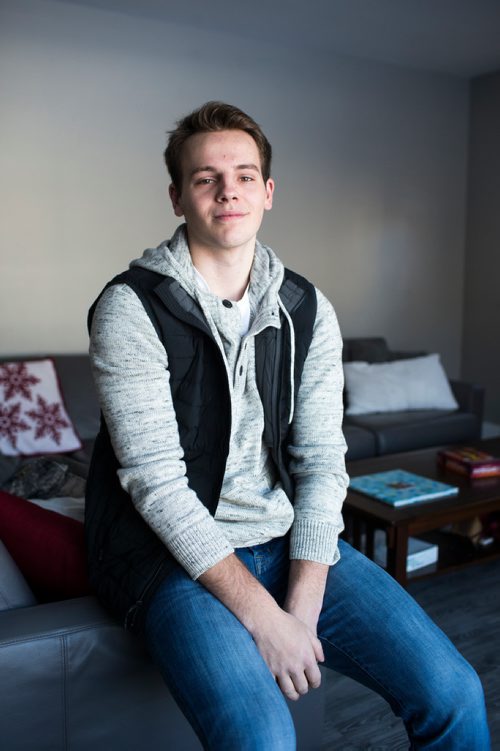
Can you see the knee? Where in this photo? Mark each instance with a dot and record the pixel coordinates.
(455, 709)
(259, 728)
(276, 732)
(461, 692)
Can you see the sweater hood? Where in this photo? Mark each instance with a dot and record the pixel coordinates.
(172, 258)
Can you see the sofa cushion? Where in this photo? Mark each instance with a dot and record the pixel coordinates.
(14, 590)
(360, 442)
(48, 548)
(33, 417)
(413, 384)
(408, 431)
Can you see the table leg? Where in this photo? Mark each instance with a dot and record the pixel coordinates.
(356, 533)
(370, 542)
(397, 553)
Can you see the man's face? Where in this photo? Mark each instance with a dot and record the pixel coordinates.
(223, 196)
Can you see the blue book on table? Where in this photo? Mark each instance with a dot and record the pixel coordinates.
(400, 488)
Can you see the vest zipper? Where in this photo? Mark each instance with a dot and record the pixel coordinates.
(132, 612)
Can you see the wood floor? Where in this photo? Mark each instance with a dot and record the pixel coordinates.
(466, 605)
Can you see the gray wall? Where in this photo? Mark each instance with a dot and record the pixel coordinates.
(481, 345)
(370, 164)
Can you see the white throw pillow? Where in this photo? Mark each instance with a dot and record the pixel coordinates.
(417, 383)
(65, 505)
(33, 418)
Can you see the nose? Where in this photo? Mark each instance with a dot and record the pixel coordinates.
(227, 190)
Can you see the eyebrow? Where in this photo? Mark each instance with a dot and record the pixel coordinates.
(209, 168)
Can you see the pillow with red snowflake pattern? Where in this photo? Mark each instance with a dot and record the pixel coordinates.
(33, 418)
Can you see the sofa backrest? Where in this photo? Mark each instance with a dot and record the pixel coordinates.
(79, 393)
(365, 349)
(373, 349)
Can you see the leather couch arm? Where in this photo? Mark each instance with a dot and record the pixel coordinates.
(72, 678)
(50, 619)
(470, 397)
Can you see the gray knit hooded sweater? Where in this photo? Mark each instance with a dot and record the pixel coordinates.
(130, 367)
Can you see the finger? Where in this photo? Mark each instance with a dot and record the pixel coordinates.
(313, 676)
(318, 649)
(300, 682)
(287, 687)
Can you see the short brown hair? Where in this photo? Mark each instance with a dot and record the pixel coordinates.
(209, 118)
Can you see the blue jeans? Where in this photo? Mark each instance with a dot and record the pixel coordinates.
(370, 629)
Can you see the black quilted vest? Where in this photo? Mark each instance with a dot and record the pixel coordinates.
(127, 561)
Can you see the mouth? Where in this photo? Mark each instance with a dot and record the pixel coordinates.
(229, 216)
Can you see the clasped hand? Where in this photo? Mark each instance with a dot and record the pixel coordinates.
(292, 652)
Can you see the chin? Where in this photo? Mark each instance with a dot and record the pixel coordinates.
(237, 242)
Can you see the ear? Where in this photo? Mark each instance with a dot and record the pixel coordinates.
(269, 194)
(176, 200)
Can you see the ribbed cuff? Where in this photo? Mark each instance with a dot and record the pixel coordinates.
(314, 541)
(199, 549)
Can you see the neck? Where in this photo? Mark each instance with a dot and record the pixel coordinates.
(227, 273)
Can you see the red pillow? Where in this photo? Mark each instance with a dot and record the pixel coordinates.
(48, 548)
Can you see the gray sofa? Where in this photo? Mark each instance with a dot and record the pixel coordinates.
(392, 432)
(72, 678)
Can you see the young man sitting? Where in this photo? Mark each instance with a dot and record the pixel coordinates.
(215, 494)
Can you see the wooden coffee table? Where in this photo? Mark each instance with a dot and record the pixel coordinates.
(364, 515)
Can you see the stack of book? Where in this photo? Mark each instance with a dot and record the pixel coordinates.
(420, 553)
(470, 462)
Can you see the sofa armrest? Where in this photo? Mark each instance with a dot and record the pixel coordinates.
(470, 397)
(51, 619)
(14, 589)
(88, 683)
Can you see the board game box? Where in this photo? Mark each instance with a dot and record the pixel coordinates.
(469, 461)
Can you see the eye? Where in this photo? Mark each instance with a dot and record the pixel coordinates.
(205, 181)
(246, 178)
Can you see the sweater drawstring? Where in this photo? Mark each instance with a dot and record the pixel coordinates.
(292, 359)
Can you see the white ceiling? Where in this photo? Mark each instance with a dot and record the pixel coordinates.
(459, 37)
